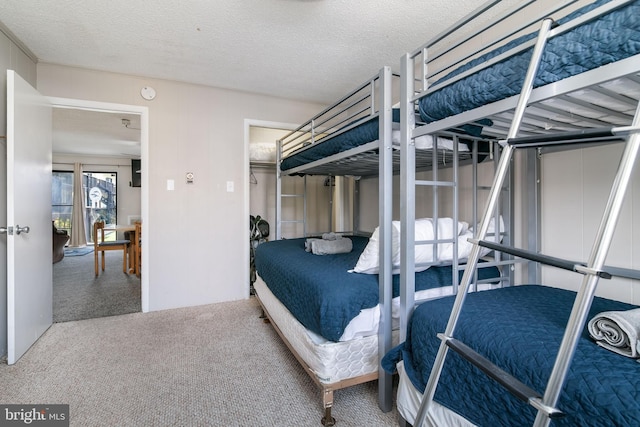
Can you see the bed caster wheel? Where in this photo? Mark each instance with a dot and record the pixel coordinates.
(328, 420)
(264, 317)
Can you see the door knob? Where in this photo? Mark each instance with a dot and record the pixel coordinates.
(24, 229)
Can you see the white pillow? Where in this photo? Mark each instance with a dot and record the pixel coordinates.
(368, 261)
(424, 230)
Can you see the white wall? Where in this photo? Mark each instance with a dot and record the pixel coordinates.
(198, 233)
(11, 58)
(575, 188)
(424, 208)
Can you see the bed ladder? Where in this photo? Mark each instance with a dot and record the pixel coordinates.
(280, 196)
(592, 271)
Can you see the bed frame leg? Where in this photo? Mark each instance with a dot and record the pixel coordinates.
(328, 420)
(264, 317)
(327, 398)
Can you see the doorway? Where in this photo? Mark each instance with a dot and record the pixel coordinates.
(117, 155)
(260, 160)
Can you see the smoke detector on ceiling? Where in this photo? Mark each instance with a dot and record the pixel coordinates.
(127, 123)
(148, 93)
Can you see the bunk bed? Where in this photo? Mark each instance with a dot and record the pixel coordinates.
(601, 388)
(315, 303)
(539, 86)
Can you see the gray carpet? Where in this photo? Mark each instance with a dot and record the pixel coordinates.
(214, 365)
(78, 294)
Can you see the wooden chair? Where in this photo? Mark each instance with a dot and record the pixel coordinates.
(100, 245)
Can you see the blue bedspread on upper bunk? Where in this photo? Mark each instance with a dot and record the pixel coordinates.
(321, 293)
(519, 329)
(359, 135)
(610, 38)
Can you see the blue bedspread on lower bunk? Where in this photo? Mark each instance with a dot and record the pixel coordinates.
(610, 38)
(519, 329)
(321, 293)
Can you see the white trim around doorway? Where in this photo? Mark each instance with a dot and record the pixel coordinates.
(81, 104)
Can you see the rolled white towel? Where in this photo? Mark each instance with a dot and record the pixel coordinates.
(331, 236)
(329, 247)
(309, 242)
(617, 331)
(325, 236)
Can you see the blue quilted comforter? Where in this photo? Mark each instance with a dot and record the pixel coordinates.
(359, 135)
(610, 38)
(321, 293)
(519, 329)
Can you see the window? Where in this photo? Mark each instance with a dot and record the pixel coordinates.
(99, 200)
(62, 200)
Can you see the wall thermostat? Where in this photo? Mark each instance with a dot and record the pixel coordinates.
(189, 177)
(148, 93)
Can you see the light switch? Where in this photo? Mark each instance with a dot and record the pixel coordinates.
(171, 185)
(229, 186)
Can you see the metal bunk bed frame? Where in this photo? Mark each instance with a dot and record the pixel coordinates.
(421, 62)
(372, 159)
(528, 130)
(377, 158)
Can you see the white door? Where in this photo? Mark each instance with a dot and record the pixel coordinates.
(29, 229)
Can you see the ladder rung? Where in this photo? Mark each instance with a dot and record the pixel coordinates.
(435, 183)
(574, 137)
(292, 221)
(578, 267)
(292, 195)
(431, 242)
(622, 272)
(508, 381)
(488, 187)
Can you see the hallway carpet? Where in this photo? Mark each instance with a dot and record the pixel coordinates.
(78, 294)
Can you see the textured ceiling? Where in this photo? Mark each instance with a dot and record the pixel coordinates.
(86, 132)
(313, 50)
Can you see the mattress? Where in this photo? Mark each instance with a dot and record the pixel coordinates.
(330, 362)
(322, 294)
(519, 329)
(609, 38)
(355, 137)
(408, 403)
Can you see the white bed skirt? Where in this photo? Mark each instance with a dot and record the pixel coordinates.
(366, 323)
(408, 401)
(329, 361)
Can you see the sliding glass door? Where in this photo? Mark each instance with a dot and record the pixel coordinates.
(99, 200)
